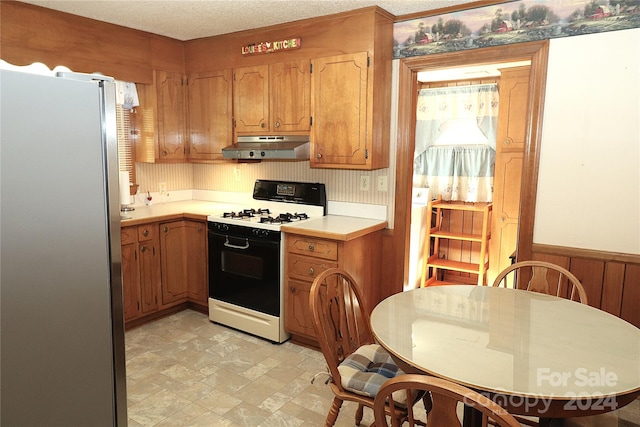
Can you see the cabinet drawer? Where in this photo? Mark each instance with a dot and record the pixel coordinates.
(128, 235)
(326, 249)
(146, 232)
(307, 268)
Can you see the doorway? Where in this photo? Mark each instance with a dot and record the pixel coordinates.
(536, 53)
(480, 91)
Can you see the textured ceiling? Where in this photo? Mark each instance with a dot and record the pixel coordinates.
(191, 19)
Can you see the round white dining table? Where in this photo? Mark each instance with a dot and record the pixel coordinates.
(533, 354)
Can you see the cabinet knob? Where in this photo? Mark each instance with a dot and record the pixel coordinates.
(165, 152)
(143, 248)
(165, 229)
(507, 141)
(318, 156)
(501, 219)
(262, 125)
(277, 124)
(293, 289)
(311, 271)
(145, 233)
(311, 247)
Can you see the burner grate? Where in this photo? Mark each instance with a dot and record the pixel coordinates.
(284, 218)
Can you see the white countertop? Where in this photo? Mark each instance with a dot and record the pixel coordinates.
(335, 227)
(193, 208)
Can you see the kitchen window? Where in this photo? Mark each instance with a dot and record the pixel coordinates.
(456, 140)
(126, 151)
(126, 102)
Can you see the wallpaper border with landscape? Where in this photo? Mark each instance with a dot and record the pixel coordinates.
(511, 22)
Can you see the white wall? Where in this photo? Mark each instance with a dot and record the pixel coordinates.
(589, 177)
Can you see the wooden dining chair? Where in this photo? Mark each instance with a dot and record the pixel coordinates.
(537, 275)
(445, 396)
(357, 366)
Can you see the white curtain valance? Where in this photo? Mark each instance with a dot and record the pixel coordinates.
(455, 141)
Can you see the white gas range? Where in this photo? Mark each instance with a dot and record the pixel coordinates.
(246, 278)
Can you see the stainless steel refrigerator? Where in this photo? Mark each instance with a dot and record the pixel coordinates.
(61, 316)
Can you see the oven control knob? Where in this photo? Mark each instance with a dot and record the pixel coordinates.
(262, 153)
(250, 153)
(260, 233)
(222, 227)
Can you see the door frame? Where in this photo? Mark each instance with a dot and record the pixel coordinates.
(537, 52)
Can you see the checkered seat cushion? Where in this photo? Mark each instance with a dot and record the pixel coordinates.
(365, 370)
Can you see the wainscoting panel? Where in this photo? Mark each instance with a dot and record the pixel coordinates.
(611, 280)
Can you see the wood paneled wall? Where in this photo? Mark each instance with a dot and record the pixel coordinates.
(368, 29)
(35, 34)
(611, 280)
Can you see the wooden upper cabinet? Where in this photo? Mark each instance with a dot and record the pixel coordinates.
(170, 115)
(339, 134)
(272, 99)
(251, 99)
(210, 121)
(290, 96)
(345, 134)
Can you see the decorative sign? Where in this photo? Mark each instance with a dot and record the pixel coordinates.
(271, 47)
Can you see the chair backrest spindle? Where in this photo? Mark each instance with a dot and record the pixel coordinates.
(445, 396)
(537, 273)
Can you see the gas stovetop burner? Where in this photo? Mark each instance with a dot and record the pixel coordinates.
(284, 218)
(276, 197)
(246, 213)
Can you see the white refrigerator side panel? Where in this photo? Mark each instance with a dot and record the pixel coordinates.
(57, 356)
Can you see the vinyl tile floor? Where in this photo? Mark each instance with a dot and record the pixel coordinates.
(185, 371)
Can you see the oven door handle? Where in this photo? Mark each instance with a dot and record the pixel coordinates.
(230, 245)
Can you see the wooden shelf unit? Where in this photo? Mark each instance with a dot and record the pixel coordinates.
(435, 234)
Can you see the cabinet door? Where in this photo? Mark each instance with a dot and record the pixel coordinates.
(512, 112)
(298, 319)
(170, 116)
(506, 205)
(149, 275)
(339, 110)
(174, 260)
(196, 265)
(209, 102)
(290, 96)
(130, 281)
(512, 121)
(251, 99)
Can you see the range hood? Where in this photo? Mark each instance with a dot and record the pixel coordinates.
(290, 147)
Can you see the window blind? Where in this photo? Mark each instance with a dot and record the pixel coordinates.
(126, 152)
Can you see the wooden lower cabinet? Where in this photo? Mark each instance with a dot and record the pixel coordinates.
(184, 262)
(196, 265)
(140, 270)
(173, 258)
(164, 268)
(306, 257)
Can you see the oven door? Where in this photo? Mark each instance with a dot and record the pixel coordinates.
(245, 271)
